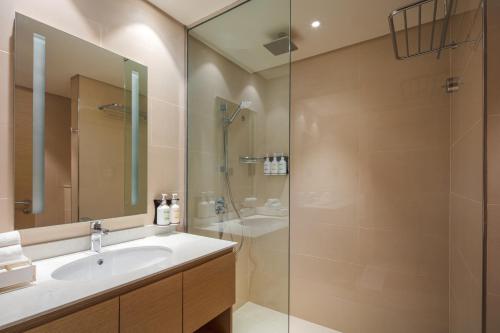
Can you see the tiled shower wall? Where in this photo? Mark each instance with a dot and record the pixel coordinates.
(466, 190)
(131, 28)
(387, 188)
(370, 191)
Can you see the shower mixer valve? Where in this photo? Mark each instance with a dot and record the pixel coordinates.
(220, 206)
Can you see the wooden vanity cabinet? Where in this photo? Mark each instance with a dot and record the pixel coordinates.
(154, 308)
(196, 300)
(99, 318)
(208, 291)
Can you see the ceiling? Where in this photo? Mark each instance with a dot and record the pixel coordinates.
(191, 11)
(240, 34)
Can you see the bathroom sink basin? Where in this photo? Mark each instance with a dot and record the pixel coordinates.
(113, 263)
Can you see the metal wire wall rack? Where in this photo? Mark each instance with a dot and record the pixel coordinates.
(440, 12)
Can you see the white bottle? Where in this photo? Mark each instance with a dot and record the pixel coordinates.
(175, 210)
(163, 212)
(211, 203)
(267, 165)
(203, 209)
(274, 165)
(282, 165)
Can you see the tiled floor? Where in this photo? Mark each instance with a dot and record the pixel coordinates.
(253, 318)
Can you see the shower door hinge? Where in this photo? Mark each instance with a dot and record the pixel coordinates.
(452, 84)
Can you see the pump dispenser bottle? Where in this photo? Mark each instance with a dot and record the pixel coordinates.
(163, 212)
(175, 210)
(267, 165)
(282, 165)
(274, 165)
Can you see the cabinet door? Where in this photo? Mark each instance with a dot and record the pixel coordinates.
(153, 308)
(100, 318)
(209, 290)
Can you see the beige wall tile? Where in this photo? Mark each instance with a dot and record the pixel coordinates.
(466, 197)
(167, 124)
(493, 266)
(465, 297)
(467, 102)
(466, 232)
(6, 161)
(78, 19)
(467, 164)
(166, 171)
(492, 318)
(6, 214)
(6, 96)
(493, 159)
(493, 35)
(324, 240)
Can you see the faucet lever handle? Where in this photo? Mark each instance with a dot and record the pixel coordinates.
(97, 226)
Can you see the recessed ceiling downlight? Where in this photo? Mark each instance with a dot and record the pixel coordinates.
(315, 24)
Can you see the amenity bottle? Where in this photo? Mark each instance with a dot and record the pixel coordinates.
(282, 165)
(274, 165)
(175, 210)
(267, 165)
(163, 212)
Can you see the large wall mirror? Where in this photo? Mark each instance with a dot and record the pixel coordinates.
(80, 117)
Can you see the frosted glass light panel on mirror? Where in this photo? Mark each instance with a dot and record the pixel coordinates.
(80, 129)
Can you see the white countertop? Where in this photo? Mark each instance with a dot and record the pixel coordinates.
(48, 294)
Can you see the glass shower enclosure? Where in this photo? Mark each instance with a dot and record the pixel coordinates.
(238, 148)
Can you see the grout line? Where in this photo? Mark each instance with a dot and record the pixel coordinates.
(467, 268)
(167, 146)
(403, 150)
(467, 132)
(464, 197)
(167, 102)
(361, 265)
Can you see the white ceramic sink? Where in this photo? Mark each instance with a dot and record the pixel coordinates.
(113, 263)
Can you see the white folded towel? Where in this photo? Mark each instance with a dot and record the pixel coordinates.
(10, 238)
(11, 255)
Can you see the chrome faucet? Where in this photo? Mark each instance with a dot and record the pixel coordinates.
(96, 232)
(220, 208)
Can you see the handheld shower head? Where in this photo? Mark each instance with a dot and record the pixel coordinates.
(241, 106)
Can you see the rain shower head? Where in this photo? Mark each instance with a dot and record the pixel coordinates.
(281, 45)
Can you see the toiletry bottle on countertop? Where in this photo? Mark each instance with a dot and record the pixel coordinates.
(175, 210)
(267, 165)
(282, 165)
(203, 207)
(163, 212)
(274, 165)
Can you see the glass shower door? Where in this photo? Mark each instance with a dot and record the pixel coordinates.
(238, 147)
